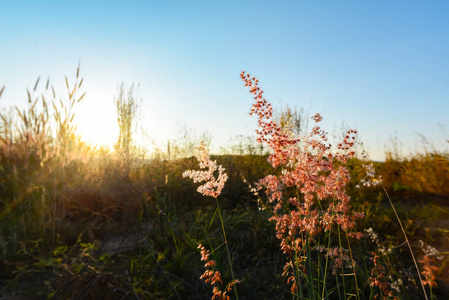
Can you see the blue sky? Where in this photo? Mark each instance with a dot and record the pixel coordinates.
(381, 67)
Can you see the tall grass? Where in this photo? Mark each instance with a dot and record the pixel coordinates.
(73, 218)
(38, 150)
(309, 204)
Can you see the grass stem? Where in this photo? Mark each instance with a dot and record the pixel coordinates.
(406, 240)
(227, 247)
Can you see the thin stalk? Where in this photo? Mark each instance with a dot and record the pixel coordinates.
(406, 240)
(342, 265)
(298, 272)
(309, 269)
(366, 268)
(319, 261)
(301, 293)
(325, 268)
(353, 266)
(297, 275)
(319, 268)
(227, 248)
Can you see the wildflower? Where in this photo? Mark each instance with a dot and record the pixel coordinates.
(253, 190)
(212, 187)
(377, 279)
(309, 167)
(395, 285)
(317, 117)
(375, 239)
(429, 271)
(430, 251)
(213, 277)
(429, 264)
(370, 177)
(209, 276)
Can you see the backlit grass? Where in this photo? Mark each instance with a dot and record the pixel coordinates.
(121, 224)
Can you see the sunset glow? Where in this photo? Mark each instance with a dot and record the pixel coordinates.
(97, 123)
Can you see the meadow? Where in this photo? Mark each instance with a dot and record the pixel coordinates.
(284, 216)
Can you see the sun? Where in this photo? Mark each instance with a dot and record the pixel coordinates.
(96, 121)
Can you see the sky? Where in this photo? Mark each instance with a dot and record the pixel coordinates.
(381, 67)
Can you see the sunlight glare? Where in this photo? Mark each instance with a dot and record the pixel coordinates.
(97, 122)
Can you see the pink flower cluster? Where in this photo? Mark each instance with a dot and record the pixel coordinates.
(214, 277)
(430, 264)
(312, 177)
(378, 279)
(212, 187)
(430, 271)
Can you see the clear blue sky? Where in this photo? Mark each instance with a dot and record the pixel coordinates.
(381, 67)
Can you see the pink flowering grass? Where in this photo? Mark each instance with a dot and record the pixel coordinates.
(212, 187)
(213, 276)
(308, 199)
(311, 209)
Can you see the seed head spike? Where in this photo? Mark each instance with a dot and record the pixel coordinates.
(37, 82)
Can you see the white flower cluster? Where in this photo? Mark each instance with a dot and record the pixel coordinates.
(375, 239)
(372, 235)
(395, 285)
(370, 177)
(255, 192)
(430, 251)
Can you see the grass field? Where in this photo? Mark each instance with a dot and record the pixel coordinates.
(295, 218)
